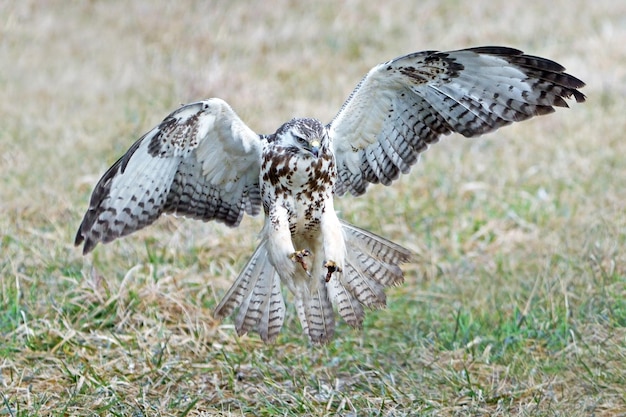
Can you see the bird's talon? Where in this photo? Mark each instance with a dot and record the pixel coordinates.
(298, 256)
(332, 267)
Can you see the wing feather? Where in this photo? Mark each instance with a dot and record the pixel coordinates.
(404, 105)
(201, 162)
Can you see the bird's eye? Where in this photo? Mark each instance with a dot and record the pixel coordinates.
(301, 141)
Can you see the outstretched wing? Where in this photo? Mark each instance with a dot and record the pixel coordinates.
(202, 161)
(403, 105)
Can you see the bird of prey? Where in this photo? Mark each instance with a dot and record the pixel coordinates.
(203, 162)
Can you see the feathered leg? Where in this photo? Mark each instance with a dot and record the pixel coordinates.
(313, 305)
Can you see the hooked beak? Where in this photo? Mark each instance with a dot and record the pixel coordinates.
(315, 148)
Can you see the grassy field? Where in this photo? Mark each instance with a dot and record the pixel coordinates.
(516, 305)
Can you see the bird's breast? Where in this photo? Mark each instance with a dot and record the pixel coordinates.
(301, 185)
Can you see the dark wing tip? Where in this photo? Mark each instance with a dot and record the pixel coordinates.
(565, 85)
(83, 235)
(516, 56)
(575, 82)
(89, 246)
(79, 237)
(578, 96)
(496, 50)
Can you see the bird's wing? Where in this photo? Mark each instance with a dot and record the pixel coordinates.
(202, 162)
(402, 106)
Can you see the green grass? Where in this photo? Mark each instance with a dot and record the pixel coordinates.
(516, 304)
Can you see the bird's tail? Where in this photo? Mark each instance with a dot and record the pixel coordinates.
(371, 264)
(257, 296)
(257, 293)
(315, 310)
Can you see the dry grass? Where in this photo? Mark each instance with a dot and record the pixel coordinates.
(517, 306)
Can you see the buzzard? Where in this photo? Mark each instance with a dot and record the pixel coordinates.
(203, 162)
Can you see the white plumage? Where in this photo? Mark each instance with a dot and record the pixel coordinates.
(203, 162)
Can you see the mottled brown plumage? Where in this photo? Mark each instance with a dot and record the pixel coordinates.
(203, 162)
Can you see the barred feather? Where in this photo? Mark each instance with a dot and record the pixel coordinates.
(348, 306)
(316, 315)
(257, 295)
(404, 105)
(372, 263)
(202, 162)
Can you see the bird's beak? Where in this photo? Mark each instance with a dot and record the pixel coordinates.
(315, 148)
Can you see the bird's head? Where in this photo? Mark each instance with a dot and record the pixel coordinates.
(303, 136)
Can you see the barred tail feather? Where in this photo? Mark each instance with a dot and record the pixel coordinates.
(257, 295)
(365, 289)
(241, 288)
(371, 264)
(273, 313)
(361, 240)
(316, 315)
(349, 307)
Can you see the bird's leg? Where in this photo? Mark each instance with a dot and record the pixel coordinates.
(298, 256)
(332, 267)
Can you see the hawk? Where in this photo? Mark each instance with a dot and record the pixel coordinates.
(203, 162)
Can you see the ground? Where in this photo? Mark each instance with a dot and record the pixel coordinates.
(516, 304)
